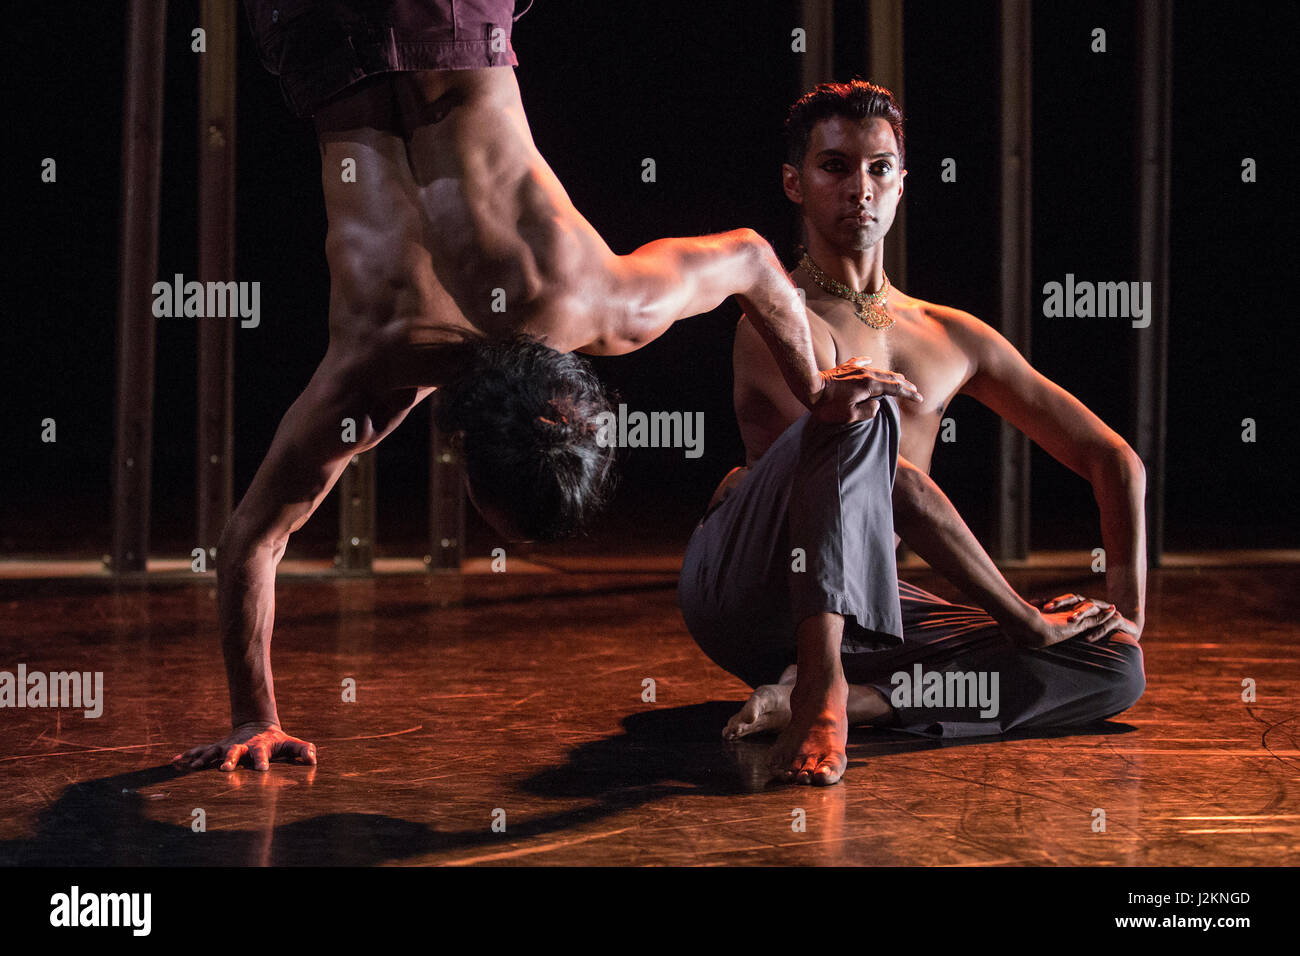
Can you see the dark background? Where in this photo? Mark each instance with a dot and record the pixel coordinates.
(702, 88)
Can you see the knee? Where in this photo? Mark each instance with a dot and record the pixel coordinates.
(1130, 680)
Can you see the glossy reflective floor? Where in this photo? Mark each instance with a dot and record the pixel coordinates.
(518, 698)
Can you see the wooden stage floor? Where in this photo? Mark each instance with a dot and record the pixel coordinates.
(523, 694)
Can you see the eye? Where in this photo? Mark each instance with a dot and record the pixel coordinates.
(880, 169)
(833, 166)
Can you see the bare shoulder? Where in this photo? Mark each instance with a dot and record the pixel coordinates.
(957, 324)
(980, 342)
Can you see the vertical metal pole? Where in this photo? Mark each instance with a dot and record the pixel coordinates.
(885, 57)
(817, 63)
(446, 505)
(216, 264)
(1011, 538)
(1150, 344)
(356, 550)
(142, 118)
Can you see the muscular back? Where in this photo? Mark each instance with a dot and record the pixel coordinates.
(454, 210)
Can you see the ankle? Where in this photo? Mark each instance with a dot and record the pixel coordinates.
(822, 691)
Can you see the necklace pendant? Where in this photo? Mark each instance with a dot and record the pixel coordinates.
(875, 316)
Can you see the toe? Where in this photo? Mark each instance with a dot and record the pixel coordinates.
(828, 772)
(804, 767)
(737, 730)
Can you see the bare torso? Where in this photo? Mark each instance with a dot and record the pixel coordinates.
(919, 345)
(451, 189)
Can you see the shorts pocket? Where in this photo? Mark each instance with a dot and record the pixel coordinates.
(271, 21)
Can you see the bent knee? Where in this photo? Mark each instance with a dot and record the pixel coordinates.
(1130, 681)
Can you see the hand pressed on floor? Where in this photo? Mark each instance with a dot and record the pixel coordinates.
(260, 742)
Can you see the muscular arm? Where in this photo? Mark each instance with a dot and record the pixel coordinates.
(303, 463)
(671, 279)
(927, 521)
(1065, 428)
(764, 406)
(931, 526)
(306, 458)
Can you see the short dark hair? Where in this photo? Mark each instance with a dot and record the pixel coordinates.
(857, 99)
(528, 415)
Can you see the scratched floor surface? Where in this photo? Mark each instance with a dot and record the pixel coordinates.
(522, 703)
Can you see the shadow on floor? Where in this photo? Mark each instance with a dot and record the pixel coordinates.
(680, 750)
(670, 752)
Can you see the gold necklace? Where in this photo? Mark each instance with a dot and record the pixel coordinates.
(870, 305)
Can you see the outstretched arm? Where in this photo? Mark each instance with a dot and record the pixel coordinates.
(672, 279)
(668, 280)
(931, 526)
(1065, 428)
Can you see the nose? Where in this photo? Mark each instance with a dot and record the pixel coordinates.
(860, 184)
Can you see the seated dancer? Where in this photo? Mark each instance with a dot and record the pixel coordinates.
(790, 581)
(457, 262)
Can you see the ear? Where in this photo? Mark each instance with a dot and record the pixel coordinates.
(900, 183)
(790, 183)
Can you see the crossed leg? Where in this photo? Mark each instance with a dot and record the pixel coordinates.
(1069, 684)
(808, 536)
(768, 707)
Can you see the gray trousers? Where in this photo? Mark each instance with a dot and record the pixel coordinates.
(810, 529)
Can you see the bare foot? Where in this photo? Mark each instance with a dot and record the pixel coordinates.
(768, 708)
(811, 750)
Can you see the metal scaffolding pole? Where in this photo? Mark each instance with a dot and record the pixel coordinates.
(142, 118)
(356, 549)
(1011, 505)
(817, 63)
(885, 56)
(216, 131)
(1150, 344)
(446, 505)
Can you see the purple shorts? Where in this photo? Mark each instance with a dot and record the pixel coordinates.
(320, 48)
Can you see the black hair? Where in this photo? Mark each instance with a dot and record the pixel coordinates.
(529, 418)
(857, 99)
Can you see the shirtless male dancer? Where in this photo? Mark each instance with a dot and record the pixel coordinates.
(821, 642)
(451, 213)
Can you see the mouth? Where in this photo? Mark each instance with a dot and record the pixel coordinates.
(860, 218)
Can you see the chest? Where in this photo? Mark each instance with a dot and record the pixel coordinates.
(915, 346)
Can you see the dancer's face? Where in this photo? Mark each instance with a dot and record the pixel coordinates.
(850, 183)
